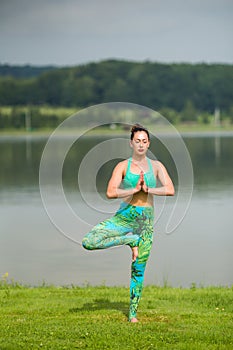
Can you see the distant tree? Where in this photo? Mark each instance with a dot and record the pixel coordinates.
(21, 72)
(50, 87)
(119, 91)
(84, 94)
(189, 112)
(170, 114)
(183, 88)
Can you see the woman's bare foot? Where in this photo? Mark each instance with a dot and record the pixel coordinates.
(133, 320)
(134, 253)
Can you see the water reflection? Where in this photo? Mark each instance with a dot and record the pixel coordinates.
(217, 148)
(20, 159)
(28, 149)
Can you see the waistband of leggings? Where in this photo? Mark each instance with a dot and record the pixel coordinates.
(125, 205)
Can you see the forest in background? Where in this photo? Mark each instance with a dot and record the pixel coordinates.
(183, 93)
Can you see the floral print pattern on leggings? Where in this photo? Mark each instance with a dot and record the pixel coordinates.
(133, 226)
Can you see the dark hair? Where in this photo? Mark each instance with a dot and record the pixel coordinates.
(138, 127)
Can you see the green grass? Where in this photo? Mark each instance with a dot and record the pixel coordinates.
(181, 128)
(96, 318)
(47, 110)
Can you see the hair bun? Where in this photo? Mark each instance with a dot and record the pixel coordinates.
(138, 127)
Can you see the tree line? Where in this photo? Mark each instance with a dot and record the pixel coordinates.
(185, 92)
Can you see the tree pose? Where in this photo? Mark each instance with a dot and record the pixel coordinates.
(133, 180)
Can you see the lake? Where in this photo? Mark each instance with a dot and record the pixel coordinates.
(33, 250)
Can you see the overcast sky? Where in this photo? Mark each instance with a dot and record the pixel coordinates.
(72, 32)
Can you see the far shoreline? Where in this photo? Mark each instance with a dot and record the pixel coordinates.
(184, 130)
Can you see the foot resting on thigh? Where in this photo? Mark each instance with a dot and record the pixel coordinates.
(134, 253)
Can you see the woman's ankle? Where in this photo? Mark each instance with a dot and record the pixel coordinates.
(134, 253)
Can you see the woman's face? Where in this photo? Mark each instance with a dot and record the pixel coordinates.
(140, 142)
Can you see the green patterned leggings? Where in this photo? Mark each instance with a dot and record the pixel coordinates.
(133, 226)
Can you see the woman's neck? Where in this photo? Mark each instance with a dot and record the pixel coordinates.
(138, 158)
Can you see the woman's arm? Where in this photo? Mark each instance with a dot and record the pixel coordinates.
(167, 188)
(114, 190)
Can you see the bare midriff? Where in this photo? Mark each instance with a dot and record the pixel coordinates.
(140, 199)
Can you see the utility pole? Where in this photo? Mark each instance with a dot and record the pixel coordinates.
(28, 124)
(217, 121)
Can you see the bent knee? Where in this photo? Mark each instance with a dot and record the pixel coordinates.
(87, 244)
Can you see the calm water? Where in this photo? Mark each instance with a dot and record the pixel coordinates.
(33, 250)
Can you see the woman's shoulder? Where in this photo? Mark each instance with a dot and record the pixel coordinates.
(122, 165)
(156, 164)
(123, 162)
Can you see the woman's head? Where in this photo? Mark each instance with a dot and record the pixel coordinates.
(137, 127)
(140, 139)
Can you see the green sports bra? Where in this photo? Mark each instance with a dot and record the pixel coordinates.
(130, 180)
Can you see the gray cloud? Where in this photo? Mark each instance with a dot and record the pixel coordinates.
(72, 32)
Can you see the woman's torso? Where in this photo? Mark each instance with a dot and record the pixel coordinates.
(130, 180)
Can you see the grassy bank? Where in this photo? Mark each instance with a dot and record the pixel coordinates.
(183, 129)
(96, 318)
(32, 120)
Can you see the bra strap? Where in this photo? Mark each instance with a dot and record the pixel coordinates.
(150, 164)
(129, 164)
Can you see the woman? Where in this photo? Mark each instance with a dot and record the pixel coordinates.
(133, 180)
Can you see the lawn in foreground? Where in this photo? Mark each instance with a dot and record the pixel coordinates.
(96, 318)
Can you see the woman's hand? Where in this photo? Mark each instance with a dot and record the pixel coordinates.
(141, 185)
(138, 187)
(144, 187)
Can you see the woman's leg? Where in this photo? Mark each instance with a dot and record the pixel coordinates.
(110, 233)
(137, 271)
(115, 231)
